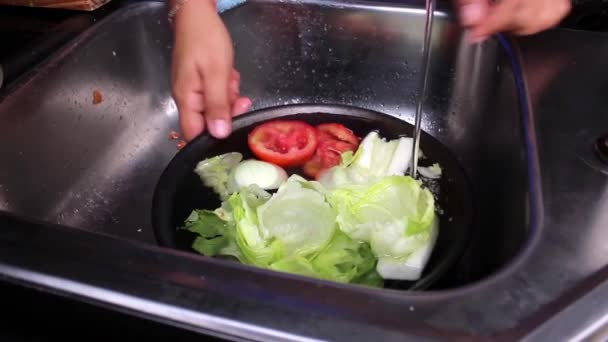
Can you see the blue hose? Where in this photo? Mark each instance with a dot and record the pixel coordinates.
(529, 135)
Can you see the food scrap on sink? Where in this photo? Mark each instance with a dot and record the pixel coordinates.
(97, 97)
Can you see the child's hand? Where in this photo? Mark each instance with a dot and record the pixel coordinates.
(521, 17)
(205, 85)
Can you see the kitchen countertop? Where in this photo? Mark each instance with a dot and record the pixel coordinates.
(574, 192)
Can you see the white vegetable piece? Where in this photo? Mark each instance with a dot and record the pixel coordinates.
(412, 267)
(402, 157)
(375, 158)
(265, 175)
(432, 172)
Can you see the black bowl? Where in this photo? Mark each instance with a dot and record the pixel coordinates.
(180, 190)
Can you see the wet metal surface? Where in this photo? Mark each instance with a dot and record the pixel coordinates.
(89, 165)
(95, 166)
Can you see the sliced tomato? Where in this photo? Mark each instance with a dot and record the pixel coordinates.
(283, 142)
(328, 154)
(337, 132)
(313, 167)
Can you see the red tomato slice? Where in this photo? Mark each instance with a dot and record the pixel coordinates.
(328, 155)
(338, 132)
(283, 142)
(313, 167)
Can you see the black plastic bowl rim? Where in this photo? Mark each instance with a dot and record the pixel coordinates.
(443, 257)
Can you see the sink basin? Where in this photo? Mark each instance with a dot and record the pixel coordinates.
(94, 167)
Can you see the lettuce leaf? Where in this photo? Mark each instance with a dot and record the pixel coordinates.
(292, 231)
(363, 221)
(346, 260)
(394, 215)
(295, 222)
(216, 173)
(374, 159)
(216, 236)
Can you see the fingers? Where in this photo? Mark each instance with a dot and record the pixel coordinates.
(191, 123)
(190, 103)
(472, 12)
(521, 17)
(235, 83)
(216, 82)
(500, 17)
(241, 106)
(190, 100)
(544, 18)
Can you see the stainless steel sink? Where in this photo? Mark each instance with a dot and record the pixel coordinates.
(94, 167)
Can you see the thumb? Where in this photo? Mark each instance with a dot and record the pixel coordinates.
(217, 102)
(472, 12)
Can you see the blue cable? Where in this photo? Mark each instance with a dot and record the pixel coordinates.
(526, 117)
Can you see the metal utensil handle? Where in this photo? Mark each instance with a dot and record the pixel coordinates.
(426, 56)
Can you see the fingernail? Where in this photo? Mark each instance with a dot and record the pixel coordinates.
(470, 14)
(219, 128)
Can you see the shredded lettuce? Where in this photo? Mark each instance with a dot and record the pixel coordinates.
(363, 222)
(346, 260)
(394, 215)
(216, 236)
(375, 159)
(292, 231)
(299, 217)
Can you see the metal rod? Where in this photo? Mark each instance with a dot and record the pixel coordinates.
(426, 56)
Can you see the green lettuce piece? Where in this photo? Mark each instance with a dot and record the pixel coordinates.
(374, 159)
(216, 236)
(216, 173)
(292, 231)
(256, 248)
(344, 260)
(296, 265)
(299, 217)
(370, 279)
(394, 215)
(294, 222)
